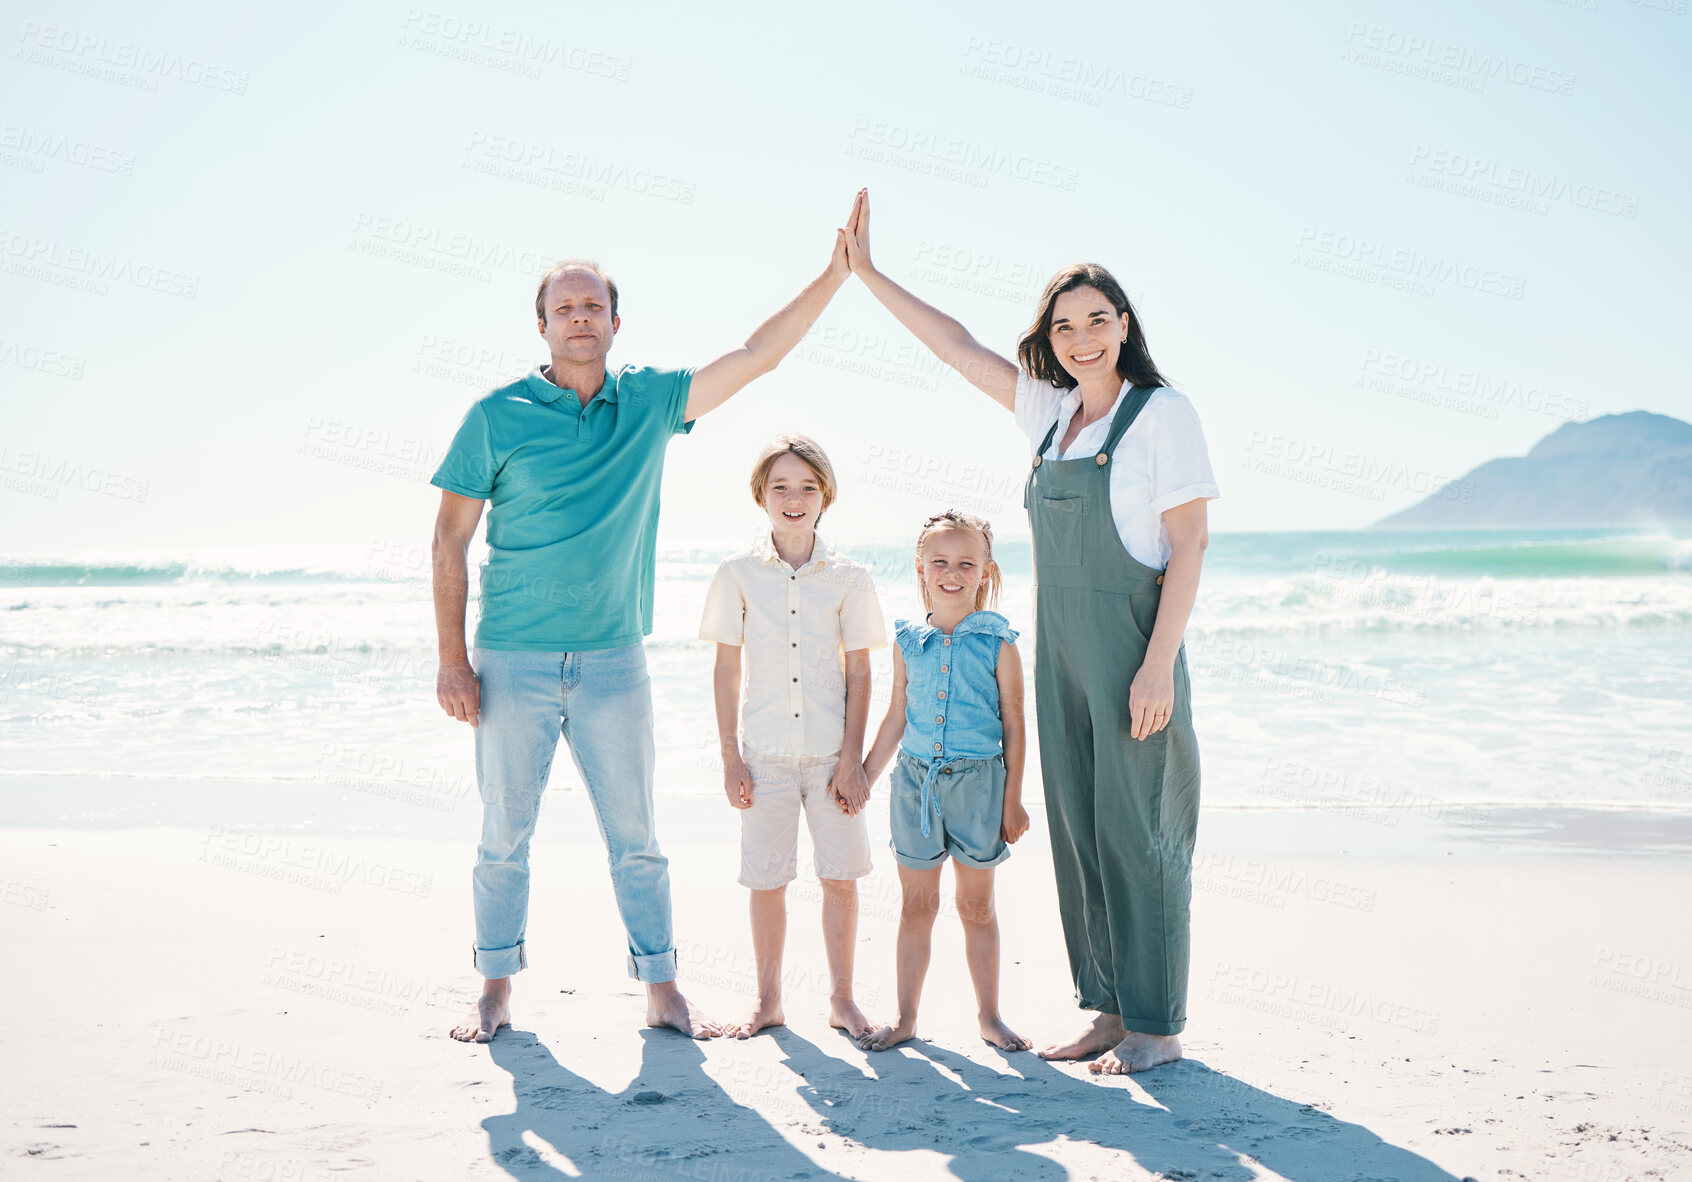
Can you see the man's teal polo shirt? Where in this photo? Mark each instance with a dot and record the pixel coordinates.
(572, 506)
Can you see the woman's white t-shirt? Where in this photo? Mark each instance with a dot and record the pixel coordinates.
(1160, 462)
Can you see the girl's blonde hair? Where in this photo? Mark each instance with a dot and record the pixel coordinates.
(806, 449)
(987, 594)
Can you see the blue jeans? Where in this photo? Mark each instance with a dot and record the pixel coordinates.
(601, 704)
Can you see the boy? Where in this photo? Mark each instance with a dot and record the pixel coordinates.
(807, 618)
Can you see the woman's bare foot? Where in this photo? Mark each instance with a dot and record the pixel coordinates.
(1137, 1052)
(493, 1010)
(665, 1006)
(1103, 1033)
(994, 1030)
(844, 1014)
(889, 1036)
(761, 1016)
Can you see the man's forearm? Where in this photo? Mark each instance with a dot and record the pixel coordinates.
(451, 584)
(775, 338)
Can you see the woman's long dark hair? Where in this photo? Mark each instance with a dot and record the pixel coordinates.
(1034, 350)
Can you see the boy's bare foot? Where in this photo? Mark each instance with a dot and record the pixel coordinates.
(493, 1010)
(845, 1015)
(995, 1031)
(888, 1036)
(760, 1017)
(1137, 1052)
(665, 1006)
(1103, 1033)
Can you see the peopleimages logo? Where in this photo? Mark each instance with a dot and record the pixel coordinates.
(81, 52)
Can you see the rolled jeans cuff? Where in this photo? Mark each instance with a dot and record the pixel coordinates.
(654, 969)
(494, 963)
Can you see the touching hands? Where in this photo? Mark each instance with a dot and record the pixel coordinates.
(459, 692)
(1151, 699)
(737, 781)
(857, 236)
(850, 787)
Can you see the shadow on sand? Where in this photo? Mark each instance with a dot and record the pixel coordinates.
(1210, 1125)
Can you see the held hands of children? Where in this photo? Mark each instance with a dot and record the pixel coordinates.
(850, 787)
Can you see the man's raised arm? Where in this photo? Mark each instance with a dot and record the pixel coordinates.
(716, 383)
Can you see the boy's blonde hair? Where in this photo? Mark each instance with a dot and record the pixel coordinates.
(806, 449)
(987, 594)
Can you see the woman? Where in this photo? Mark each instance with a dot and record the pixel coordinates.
(1116, 502)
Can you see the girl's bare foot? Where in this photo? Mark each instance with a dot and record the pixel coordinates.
(493, 1010)
(1103, 1033)
(994, 1030)
(760, 1017)
(665, 1006)
(845, 1015)
(1137, 1052)
(889, 1036)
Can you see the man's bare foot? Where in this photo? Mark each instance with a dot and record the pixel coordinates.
(994, 1030)
(889, 1036)
(1103, 1033)
(845, 1015)
(665, 1006)
(493, 1010)
(1137, 1052)
(760, 1017)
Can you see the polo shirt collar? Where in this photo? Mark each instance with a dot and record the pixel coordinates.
(545, 391)
(766, 551)
(991, 623)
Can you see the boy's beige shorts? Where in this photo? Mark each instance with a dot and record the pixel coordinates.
(782, 786)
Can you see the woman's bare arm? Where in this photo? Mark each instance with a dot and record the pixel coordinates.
(948, 340)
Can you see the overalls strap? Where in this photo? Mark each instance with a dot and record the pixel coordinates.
(1130, 410)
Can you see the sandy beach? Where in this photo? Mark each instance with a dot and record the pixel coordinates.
(1374, 996)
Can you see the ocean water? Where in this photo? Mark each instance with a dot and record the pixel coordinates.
(1364, 672)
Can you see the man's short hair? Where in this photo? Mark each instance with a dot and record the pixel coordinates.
(559, 268)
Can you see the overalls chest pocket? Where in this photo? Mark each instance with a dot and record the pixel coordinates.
(1060, 523)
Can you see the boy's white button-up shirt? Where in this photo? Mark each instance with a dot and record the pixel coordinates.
(795, 627)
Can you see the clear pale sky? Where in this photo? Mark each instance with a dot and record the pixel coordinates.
(1264, 180)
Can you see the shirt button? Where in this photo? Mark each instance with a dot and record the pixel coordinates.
(795, 681)
(939, 718)
(945, 668)
(937, 747)
(941, 694)
(947, 641)
(795, 644)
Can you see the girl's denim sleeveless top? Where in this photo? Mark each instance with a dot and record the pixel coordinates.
(952, 688)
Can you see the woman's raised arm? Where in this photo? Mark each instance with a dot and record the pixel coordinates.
(948, 340)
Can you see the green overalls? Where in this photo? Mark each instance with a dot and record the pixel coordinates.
(1123, 813)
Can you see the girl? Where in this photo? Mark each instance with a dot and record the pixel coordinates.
(1116, 504)
(956, 720)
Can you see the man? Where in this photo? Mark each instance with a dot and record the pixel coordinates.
(569, 460)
